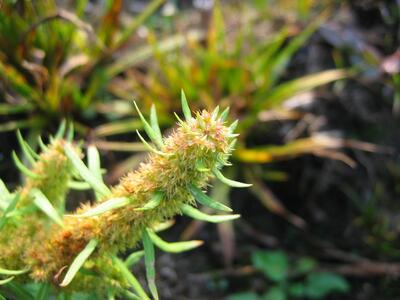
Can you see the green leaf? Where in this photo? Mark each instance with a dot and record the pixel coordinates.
(85, 173)
(274, 264)
(103, 207)
(20, 291)
(229, 182)
(149, 130)
(23, 168)
(154, 122)
(275, 293)
(206, 200)
(43, 292)
(305, 265)
(214, 114)
(185, 107)
(10, 208)
(4, 195)
(79, 185)
(70, 132)
(319, 285)
(25, 148)
(224, 114)
(61, 130)
(172, 247)
(198, 215)
(244, 296)
(78, 262)
(41, 201)
(129, 277)
(154, 201)
(7, 280)
(133, 258)
(41, 144)
(94, 164)
(149, 261)
(148, 146)
(13, 272)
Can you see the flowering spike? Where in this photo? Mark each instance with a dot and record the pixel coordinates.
(185, 107)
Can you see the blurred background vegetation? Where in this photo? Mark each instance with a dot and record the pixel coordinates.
(315, 86)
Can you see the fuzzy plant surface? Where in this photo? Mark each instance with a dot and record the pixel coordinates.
(80, 251)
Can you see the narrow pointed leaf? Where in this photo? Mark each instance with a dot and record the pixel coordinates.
(230, 182)
(233, 126)
(163, 226)
(172, 247)
(4, 195)
(198, 215)
(78, 262)
(23, 168)
(10, 208)
(70, 132)
(149, 130)
(7, 280)
(45, 205)
(97, 184)
(130, 278)
(148, 146)
(154, 201)
(13, 272)
(133, 258)
(149, 261)
(20, 291)
(80, 186)
(103, 207)
(154, 122)
(61, 130)
(94, 165)
(41, 144)
(206, 200)
(185, 106)
(24, 148)
(43, 292)
(224, 114)
(215, 112)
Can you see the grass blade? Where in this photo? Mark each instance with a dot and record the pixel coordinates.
(154, 201)
(130, 278)
(78, 262)
(206, 200)
(133, 258)
(198, 215)
(185, 106)
(103, 207)
(97, 184)
(43, 292)
(229, 182)
(149, 261)
(172, 247)
(45, 205)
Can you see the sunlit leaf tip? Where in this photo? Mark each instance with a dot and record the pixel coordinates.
(198, 215)
(185, 106)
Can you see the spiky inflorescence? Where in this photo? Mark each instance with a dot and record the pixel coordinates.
(50, 173)
(188, 157)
